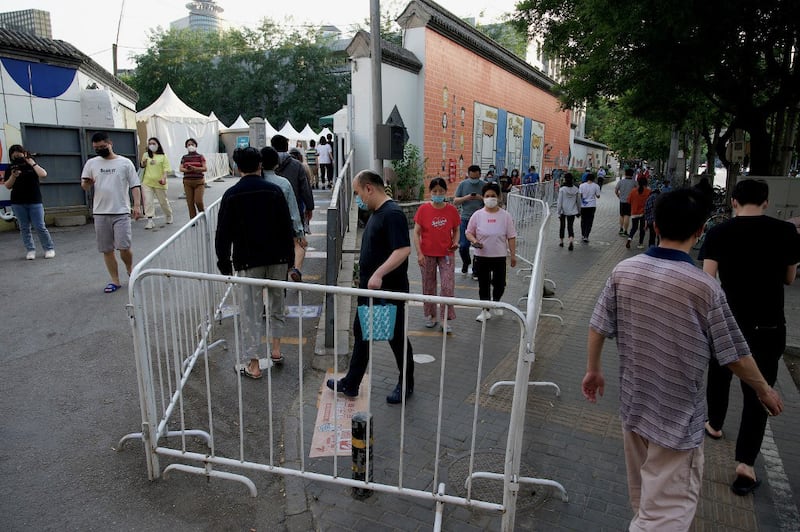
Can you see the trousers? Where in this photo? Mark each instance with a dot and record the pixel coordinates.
(491, 272)
(587, 220)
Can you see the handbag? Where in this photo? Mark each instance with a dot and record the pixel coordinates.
(377, 322)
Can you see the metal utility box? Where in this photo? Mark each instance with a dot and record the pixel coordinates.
(784, 196)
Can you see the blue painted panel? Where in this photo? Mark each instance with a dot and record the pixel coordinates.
(39, 79)
(502, 132)
(526, 147)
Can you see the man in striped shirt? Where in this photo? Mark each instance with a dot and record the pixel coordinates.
(662, 399)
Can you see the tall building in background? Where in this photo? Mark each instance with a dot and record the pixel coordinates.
(204, 15)
(33, 21)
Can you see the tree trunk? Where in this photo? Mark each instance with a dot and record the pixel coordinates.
(674, 178)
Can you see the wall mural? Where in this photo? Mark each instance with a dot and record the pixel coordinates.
(514, 142)
(484, 149)
(537, 145)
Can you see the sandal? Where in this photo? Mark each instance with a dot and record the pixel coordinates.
(277, 361)
(111, 288)
(245, 372)
(295, 275)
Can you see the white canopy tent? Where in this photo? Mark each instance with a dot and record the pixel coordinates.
(239, 125)
(172, 121)
(221, 125)
(308, 134)
(325, 132)
(289, 132)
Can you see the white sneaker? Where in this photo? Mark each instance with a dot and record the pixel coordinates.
(30, 255)
(498, 312)
(169, 219)
(446, 329)
(484, 315)
(430, 323)
(149, 224)
(640, 246)
(50, 253)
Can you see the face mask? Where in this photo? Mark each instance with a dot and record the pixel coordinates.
(361, 204)
(437, 199)
(474, 179)
(103, 152)
(153, 147)
(18, 159)
(490, 202)
(191, 149)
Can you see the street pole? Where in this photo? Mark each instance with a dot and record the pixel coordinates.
(377, 86)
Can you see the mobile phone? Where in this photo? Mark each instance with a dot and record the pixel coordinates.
(474, 194)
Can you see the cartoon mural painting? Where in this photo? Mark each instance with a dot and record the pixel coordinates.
(514, 142)
(485, 146)
(537, 144)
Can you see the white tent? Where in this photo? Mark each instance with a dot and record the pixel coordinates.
(239, 125)
(325, 132)
(172, 121)
(271, 131)
(308, 134)
(289, 132)
(212, 116)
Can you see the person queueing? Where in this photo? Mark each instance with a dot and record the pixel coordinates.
(325, 161)
(382, 265)
(568, 206)
(154, 181)
(22, 178)
(637, 200)
(492, 233)
(590, 192)
(468, 199)
(755, 256)
(193, 166)
(436, 236)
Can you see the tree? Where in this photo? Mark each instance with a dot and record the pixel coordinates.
(629, 136)
(507, 35)
(272, 72)
(666, 58)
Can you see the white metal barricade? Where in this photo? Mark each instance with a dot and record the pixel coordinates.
(543, 190)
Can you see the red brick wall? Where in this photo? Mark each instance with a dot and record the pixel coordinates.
(469, 79)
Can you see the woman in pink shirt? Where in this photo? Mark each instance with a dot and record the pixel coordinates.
(491, 232)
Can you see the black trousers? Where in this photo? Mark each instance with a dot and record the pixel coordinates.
(360, 358)
(638, 225)
(491, 272)
(651, 227)
(587, 220)
(569, 220)
(766, 346)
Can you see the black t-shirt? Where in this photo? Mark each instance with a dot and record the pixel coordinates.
(26, 188)
(386, 231)
(753, 253)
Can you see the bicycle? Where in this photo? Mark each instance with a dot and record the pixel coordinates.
(716, 218)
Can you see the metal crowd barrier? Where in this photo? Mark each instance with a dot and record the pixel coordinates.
(337, 226)
(543, 190)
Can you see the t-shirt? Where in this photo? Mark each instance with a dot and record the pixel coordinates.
(26, 189)
(288, 193)
(530, 177)
(386, 231)
(624, 187)
(155, 169)
(325, 153)
(492, 229)
(465, 188)
(113, 178)
(638, 201)
(311, 156)
(437, 226)
(589, 192)
(195, 160)
(662, 368)
(752, 253)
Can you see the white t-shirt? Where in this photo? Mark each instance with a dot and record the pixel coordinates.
(113, 178)
(589, 192)
(492, 229)
(324, 153)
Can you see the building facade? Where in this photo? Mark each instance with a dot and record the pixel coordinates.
(33, 21)
(204, 15)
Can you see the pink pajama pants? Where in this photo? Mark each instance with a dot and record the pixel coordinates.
(446, 267)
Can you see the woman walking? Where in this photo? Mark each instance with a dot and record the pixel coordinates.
(568, 206)
(154, 181)
(436, 237)
(637, 199)
(491, 232)
(22, 179)
(325, 159)
(193, 166)
(590, 192)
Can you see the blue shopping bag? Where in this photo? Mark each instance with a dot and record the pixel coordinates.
(377, 322)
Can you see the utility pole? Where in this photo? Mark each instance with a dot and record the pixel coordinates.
(377, 85)
(116, 42)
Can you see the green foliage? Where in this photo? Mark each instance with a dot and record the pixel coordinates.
(507, 35)
(269, 72)
(629, 136)
(409, 174)
(390, 31)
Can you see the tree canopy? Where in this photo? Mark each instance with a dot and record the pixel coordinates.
(667, 59)
(272, 72)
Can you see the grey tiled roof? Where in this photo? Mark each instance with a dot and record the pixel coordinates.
(391, 54)
(28, 47)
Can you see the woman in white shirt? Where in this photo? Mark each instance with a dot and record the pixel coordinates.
(325, 159)
(589, 191)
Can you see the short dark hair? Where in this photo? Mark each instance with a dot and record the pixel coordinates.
(247, 159)
(590, 177)
(680, 214)
(100, 136)
(312, 143)
(280, 143)
(365, 177)
(437, 182)
(269, 158)
(568, 180)
(490, 186)
(751, 192)
(474, 168)
(190, 139)
(15, 148)
(629, 172)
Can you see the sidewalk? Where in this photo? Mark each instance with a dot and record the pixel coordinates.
(566, 438)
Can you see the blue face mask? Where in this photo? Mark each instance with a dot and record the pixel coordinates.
(437, 199)
(474, 179)
(361, 204)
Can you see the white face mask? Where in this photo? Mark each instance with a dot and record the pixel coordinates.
(191, 149)
(153, 147)
(490, 202)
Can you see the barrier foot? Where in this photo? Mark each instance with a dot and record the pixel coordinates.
(205, 436)
(554, 316)
(534, 384)
(521, 480)
(437, 521)
(561, 303)
(213, 474)
(124, 439)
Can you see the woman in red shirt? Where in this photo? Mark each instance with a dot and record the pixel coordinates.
(637, 200)
(436, 236)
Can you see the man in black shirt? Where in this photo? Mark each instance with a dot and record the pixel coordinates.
(254, 219)
(383, 265)
(755, 256)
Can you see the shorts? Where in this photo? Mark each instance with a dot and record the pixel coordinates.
(624, 209)
(113, 231)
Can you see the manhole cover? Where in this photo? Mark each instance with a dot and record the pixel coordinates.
(423, 359)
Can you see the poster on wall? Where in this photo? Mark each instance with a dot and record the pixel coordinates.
(485, 145)
(514, 147)
(537, 144)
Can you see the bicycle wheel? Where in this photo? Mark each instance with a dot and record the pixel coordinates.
(712, 222)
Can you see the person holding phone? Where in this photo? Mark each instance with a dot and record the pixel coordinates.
(193, 166)
(468, 198)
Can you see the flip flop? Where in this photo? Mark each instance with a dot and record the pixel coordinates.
(245, 372)
(111, 288)
(710, 434)
(744, 485)
(277, 361)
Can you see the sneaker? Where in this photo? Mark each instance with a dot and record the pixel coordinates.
(640, 246)
(340, 387)
(585, 240)
(561, 244)
(446, 329)
(149, 224)
(474, 276)
(30, 255)
(571, 247)
(497, 312)
(628, 243)
(621, 231)
(169, 219)
(394, 398)
(484, 315)
(50, 253)
(430, 323)
(464, 269)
